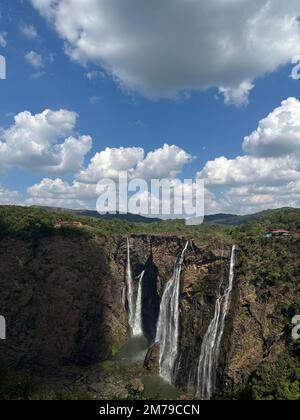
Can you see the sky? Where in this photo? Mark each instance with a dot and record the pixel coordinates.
(184, 89)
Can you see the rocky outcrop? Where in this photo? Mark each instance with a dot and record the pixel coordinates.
(151, 362)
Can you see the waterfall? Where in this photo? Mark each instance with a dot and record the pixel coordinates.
(168, 324)
(138, 327)
(129, 289)
(210, 350)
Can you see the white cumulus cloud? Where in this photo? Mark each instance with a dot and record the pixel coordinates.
(268, 175)
(167, 161)
(278, 134)
(9, 197)
(164, 48)
(44, 142)
(245, 170)
(109, 162)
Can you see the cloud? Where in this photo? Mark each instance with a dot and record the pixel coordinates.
(255, 198)
(167, 161)
(29, 31)
(49, 188)
(38, 75)
(94, 100)
(35, 60)
(244, 170)
(59, 193)
(237, 95)
(268, 176)
(94, 75)
(179, 46)
(45, 142)
(9, 197)
(278, 134)
(109, 162)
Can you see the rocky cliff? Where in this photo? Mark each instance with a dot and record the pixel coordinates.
(57, 301)
(62, 299)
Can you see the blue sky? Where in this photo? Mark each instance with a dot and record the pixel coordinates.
(116, 112)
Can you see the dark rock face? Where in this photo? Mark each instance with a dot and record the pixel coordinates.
(151, 300)
(57, 299)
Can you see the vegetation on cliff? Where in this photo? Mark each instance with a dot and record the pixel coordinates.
(268, 272)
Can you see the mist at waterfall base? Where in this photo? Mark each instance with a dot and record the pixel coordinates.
(210, 350)
(168, 324)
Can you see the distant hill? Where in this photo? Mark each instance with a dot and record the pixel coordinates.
(216, 219)
(131, 218)
(220, 219)
(234, 220)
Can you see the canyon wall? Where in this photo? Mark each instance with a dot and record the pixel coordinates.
(62, 299)
(59, 299)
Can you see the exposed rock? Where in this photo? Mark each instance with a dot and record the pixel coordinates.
(59, 302)
(137, 385)
(152, 359)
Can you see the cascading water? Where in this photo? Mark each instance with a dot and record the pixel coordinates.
(129, 289)
(210, 350)
(138, 327)
(168, 324)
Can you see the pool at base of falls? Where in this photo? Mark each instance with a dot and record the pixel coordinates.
(134, 350)
(133, 353)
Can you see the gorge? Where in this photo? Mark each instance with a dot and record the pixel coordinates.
(213, 316)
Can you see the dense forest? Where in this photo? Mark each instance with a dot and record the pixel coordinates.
(32, 222)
